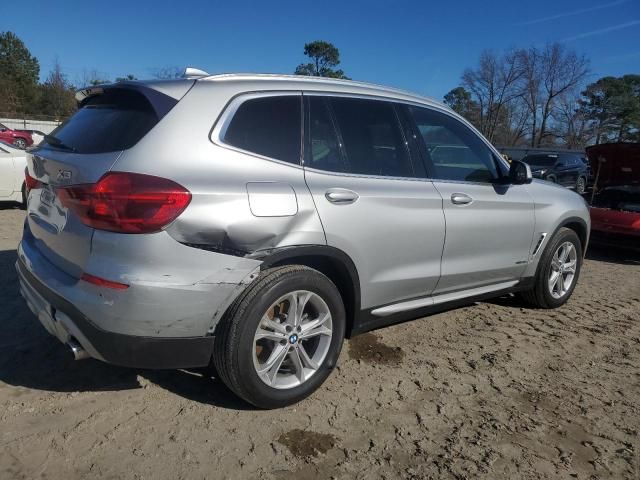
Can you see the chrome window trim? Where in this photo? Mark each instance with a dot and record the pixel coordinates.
(454, 116)
(362, 175)
(228, 112)
(222, 123)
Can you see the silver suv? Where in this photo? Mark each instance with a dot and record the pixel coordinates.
(253, 221)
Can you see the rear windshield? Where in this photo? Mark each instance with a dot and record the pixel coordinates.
(541, 160)
(113, 121)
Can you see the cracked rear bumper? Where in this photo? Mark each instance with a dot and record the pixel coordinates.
(65, 321)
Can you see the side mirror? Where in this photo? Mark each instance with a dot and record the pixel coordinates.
(520, 173)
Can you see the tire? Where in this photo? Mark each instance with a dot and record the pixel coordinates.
(542, 295)
(551, 179)
(20, 143)
(236, 350)
(581, 185)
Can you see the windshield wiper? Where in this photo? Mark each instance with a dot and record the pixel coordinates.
(56, 142)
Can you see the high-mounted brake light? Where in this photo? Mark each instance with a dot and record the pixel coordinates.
(126, 202)
(31, 182)
(101, 282)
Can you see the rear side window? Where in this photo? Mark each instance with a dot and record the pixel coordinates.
(323, 148)
(372, 140)
(268, 126)
(113, 121)
(453, 150)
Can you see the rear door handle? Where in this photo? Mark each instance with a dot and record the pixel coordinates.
(461, 199)
(341, 196)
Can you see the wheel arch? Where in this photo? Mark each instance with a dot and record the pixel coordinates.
(330, 261)
(579, 226)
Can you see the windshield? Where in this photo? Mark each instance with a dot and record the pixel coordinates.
(541, 160)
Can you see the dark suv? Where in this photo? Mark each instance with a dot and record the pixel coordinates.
(567, 169)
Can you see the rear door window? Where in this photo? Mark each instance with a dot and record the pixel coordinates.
(370, 135)
(323, 150)
(268, 126)
(113, 121)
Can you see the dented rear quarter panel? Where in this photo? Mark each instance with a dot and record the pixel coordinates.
(219, 215)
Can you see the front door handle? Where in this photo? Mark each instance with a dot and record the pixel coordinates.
(461, 199)
(341, 196)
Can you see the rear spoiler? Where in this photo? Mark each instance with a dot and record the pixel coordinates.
(163, 95)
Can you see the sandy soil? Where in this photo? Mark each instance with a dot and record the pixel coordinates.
(493, 390)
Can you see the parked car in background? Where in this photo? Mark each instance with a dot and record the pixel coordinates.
(18, 138)
(253, 221)
(615, 202)
(12, 164)
(566, 169)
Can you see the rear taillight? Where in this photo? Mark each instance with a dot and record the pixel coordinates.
(126, 202)
(31, 182)
(102, 282)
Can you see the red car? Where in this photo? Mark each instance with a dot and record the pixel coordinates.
(19, 138)
(615, 203)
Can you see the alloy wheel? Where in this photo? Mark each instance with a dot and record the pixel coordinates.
(563, 270)
(292, 339)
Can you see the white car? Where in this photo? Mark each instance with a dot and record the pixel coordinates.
(13, 161)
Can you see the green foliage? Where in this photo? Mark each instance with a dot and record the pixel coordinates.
(57, 98)
(324, 57)
(613, 104)
(460, 101)
(19, 71)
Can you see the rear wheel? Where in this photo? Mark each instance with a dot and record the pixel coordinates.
(20, 143)
(551, 179)
(280, 340)
(558, 271)
(581, 185)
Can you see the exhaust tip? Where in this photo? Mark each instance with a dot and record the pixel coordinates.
(78, 352)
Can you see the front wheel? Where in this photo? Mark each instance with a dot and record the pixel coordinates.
(581, 185)
(281, 339)
(558, 271)
(20, 143)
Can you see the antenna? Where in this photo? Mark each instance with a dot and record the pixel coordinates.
(194, 72)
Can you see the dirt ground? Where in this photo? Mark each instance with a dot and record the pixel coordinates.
(494, 390)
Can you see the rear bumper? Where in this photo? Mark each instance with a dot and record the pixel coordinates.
(67, 323)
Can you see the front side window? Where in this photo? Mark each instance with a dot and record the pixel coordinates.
(268, 126)
(454, 152)
(373, 143)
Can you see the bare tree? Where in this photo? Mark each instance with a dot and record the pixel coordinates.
(166, 73)
(562, 73)
(573, 127)
(92, 77)
(494, 84)
(56, 94)
(530, 62)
